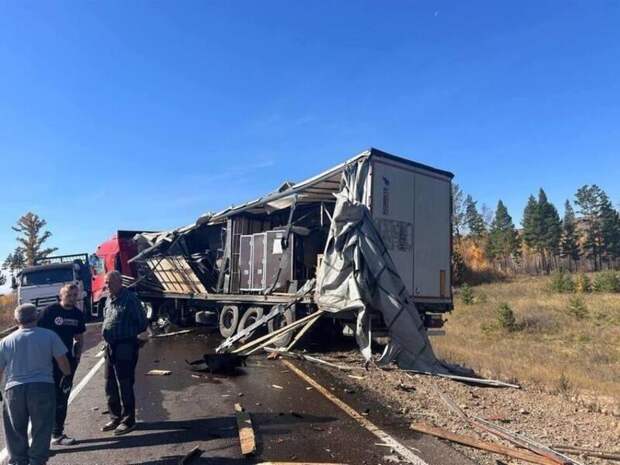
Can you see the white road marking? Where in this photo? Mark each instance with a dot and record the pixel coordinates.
(4, 454)
(385, 438)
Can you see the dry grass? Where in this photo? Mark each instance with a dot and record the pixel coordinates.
(7, 305)
(551, 346)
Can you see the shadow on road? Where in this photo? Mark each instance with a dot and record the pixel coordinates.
(158, 433)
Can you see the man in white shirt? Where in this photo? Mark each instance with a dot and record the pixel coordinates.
(29, 392)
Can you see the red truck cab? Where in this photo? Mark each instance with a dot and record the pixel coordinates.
(113, 254)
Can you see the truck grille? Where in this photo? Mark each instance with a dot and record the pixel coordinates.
(43, 302)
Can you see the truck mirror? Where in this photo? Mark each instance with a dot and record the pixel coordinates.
(13, 283)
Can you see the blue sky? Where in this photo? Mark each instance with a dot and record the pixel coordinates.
(145, 114)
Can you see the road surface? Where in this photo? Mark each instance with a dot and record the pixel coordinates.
(312, 418)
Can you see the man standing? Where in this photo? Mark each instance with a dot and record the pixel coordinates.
(26, 360)
(66, 320)
(123, 320)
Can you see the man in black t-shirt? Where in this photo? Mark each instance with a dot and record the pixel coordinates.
(66, 320)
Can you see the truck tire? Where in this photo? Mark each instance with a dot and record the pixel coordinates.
(249, 318)
(281, 321)
(229, 319)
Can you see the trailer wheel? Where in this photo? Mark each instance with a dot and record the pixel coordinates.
(250, 317)
(229, 318)
(287, 318)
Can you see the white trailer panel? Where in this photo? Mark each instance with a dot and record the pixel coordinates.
(412, 209)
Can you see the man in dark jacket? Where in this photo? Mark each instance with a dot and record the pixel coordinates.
(66, 320)
(123, 320)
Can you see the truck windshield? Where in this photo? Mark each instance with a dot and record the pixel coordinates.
(40, 277)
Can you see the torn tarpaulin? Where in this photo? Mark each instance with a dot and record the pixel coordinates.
(357, 273)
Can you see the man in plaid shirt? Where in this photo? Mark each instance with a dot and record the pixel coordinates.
(123, 320)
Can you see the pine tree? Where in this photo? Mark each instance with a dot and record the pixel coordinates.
(530, 223)
(551, 227)
(569, 244)
(588, 199)
(610, 230)
(32, 237)
(473, 219)
(503, 241)
(542, 228)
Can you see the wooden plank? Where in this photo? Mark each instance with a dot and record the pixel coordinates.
(303, 331)
(246, 431)
(190, 456)
(270, 337)
(477, 444)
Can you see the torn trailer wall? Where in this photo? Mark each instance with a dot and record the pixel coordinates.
(357, 273)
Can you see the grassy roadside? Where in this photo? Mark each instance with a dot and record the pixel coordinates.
(7, 305)
(551, 345)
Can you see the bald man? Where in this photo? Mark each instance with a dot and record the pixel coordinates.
(123, 320)
(29, 393)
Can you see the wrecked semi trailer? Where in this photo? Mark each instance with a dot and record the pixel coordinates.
(245, 260)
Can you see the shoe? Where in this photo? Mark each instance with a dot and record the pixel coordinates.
(110, 425)
(124, 428)
(63, 440)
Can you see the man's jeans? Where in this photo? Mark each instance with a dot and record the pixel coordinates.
(120, 373)
(62, 398)
(35, 402)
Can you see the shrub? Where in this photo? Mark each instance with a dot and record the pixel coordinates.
(481, 298)
(562, 282)
(506, 317)
(583, 283)
(577, 308)
(606, 281)
(467, 294)
(564, 387)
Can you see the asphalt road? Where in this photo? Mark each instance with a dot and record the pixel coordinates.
(297, 423)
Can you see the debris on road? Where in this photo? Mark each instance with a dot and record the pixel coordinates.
(276, 386)
(488, 446)
(190, 456)
(246, 430)
(174, 333)
(158, 372)
(310, 359)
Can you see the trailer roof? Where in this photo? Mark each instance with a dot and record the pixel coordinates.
(315, 189)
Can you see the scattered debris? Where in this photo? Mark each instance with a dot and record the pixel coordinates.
(589, 452)
(190, 456)
(158, 372)
(310, 359)
(467, 379)
(246, 431)
(488, 446)
(174, 333)
(356, 377)
(514, 438)
(218, 363)
(276, 386)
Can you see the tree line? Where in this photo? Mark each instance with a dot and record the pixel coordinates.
(586, 238)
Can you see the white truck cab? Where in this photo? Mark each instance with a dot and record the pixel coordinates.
(40, 284)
